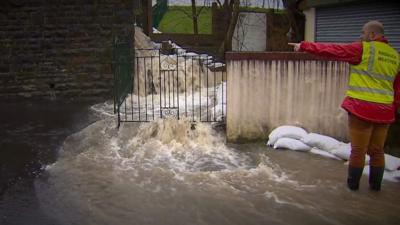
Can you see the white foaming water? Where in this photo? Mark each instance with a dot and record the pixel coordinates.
(159, 74)
(179, 147)
(159, 163)
(176, 148)
(176, 145)
(211, 101)
(150, 171)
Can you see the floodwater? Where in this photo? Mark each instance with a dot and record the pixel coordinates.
(167, 172)
(31, 134)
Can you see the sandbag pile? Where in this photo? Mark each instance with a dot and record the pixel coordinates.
(297, 139)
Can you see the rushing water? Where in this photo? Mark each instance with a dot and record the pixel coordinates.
(174, 172)
(169, 172)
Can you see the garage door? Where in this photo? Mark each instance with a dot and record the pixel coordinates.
(343, 24)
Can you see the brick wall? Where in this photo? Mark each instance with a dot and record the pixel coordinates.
(61, 47)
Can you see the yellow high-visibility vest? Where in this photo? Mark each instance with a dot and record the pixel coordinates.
(372, 79)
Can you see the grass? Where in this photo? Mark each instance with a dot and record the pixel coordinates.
(176, 20)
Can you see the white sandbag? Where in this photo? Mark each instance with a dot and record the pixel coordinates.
(393, 176)
(320, 141)
(286, 131)
(391, 163)
(324, 153)
(291, 144)
(343, 151)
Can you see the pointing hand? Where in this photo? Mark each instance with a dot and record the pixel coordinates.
(296, 46)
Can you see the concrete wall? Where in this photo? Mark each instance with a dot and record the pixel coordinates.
(59, 47)
(250, 32)
(266, 90)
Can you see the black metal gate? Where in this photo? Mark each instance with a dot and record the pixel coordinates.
(122, 68)
(180, 85)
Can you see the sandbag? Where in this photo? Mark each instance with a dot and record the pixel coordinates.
(286, 131)
(393, 176)
(324, 153)
(391, 163)
(321, 142)
(343, 151)
(292, 144)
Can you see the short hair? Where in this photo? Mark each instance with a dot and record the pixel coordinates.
(374, 26)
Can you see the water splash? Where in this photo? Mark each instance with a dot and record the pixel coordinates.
(103, 170)
(211, 99)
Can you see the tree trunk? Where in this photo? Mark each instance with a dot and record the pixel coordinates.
(194, 18)
(227, 43)
(296, 20)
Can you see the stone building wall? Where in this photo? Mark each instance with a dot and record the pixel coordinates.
(59, 47)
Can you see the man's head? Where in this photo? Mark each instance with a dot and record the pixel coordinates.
(372, 30)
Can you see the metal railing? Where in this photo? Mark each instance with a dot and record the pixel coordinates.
(123, 73)
(177, 85)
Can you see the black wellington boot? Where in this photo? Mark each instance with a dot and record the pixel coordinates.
(375, 177)
(353, 178)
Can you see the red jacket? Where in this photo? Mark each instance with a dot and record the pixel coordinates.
(352, 53)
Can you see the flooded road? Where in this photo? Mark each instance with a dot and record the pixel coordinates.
(31, 133)
(169, 172)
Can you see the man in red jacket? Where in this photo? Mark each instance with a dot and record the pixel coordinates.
(371, 100)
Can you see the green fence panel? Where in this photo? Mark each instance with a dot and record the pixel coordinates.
(159, 11)
(122, 68)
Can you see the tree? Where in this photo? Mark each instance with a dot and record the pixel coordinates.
(296, 20)
(195, 15)
(231, 9)
(294, 14)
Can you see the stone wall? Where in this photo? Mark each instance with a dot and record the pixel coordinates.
(59, 47)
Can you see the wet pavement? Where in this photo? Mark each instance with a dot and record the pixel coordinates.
(31, 132)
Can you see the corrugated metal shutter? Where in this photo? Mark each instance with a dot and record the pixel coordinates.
(343, 24)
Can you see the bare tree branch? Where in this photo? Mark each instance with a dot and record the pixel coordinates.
(296, 20)
(231, 3)
(226, 3)
(227, 43)
(201, 9)
(194, 18)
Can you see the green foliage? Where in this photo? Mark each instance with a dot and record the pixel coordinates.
(177, 20)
